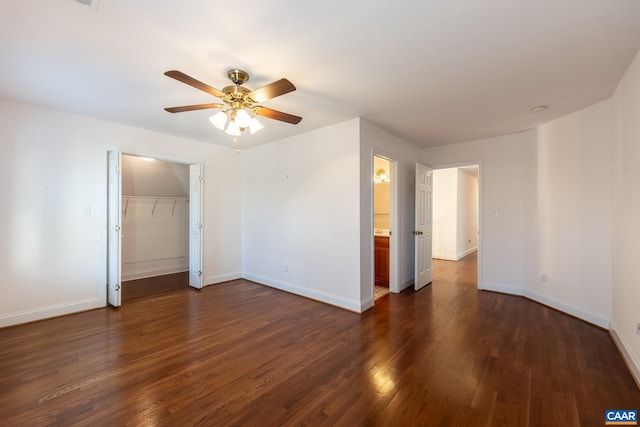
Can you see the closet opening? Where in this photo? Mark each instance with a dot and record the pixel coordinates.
(154, 226)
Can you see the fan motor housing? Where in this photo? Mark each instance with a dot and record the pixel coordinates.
(238, 77)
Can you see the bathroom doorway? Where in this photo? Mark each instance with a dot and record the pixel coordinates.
(383, 245)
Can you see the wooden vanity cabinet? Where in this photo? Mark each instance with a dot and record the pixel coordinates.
(381, 260)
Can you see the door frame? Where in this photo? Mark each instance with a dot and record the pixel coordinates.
(161, 157)
(114, 227)
(480, 166)
(394, 270)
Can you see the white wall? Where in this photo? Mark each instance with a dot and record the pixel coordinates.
(626, 215)
(445, 213)
(155, 236)
(547, 196)
(301, 214)
(467, 229)
(53, 221)
(508, 175)
(455, 214)
(307, 212)
(374, 140)
(154, 178)
(155, 218)
(574, 214)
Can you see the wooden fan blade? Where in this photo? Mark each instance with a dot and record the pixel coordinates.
(278, 115)
(193, 107)
(272, 90)
(182, 77)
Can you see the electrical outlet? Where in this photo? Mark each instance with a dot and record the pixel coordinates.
(286, 268)
(543, 277)
(638, 329)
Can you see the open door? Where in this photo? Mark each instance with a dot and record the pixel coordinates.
(195, 226)
(114, 235)
(423, 227)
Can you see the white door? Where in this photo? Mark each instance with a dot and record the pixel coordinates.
(195, 226)
(424, 226)
(114, 235)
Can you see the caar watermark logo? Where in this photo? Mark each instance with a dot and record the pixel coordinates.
(619, 417)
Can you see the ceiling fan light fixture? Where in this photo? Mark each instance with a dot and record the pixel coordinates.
(242, 118)
(219, 119)
(380, 176)
(233, 129)
(240, 104)
(255, 125)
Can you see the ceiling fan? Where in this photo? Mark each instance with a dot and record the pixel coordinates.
(239, 103)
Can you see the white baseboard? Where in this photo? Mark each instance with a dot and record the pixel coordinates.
(347, 304)
(456, 257)
(50, 311)
(573, 310)
(212, 280)
(152, 272)
(405, 285)
(467, 252)
(629, 357)
(366, 305)
(445, 257)
(502, 288)
(579, 312)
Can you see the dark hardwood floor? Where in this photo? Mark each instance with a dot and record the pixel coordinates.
(140, 288)
(243, 354)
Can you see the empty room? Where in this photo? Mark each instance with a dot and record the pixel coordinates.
(321, 280)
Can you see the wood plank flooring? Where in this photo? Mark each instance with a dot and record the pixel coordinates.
(242, 354)
(140, 288)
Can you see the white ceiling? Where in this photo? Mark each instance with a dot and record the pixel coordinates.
(431, 72)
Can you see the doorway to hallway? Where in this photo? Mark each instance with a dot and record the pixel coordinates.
(457, 221)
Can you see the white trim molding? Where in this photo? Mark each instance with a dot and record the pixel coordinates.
(501, 288)
(347, 304)
(50, 311)
(627, 354)
(212, 280)
(570, 309)
(573, 310)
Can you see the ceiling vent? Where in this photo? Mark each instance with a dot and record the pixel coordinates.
(93, 4)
